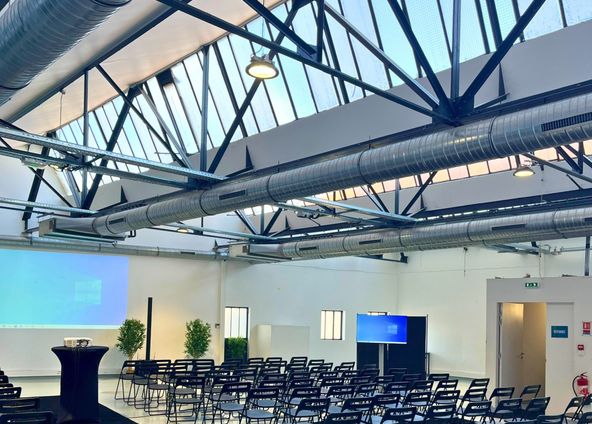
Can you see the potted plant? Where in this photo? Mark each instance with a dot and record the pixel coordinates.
(131, 337)
(235, 348)
(197, 338)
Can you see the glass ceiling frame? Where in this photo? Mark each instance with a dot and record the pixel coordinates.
(331, 52)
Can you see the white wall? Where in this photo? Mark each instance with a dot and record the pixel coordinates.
(295, 294)
(567, 301)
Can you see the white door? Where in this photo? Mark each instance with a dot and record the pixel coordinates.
(560, 356)
(510, 345)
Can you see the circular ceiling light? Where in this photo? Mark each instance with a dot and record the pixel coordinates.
(524, 171)
(262, 67)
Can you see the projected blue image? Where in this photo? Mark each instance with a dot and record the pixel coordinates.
(62, 290)
(381, 329)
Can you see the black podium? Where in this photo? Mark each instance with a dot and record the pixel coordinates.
(79, 385)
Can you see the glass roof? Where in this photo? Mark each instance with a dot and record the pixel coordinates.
(301, 91)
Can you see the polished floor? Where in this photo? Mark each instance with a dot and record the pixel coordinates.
(50, 386)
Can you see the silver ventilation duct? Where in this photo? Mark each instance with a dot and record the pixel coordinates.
(545, 126)
(512, 229)
(34, 33)
(117, 249)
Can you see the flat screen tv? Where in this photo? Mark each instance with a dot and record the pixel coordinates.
(381, 329)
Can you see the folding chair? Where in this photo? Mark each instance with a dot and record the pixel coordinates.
(363, 405)
(534, 408)
(231, 401)
(258, 405)
(310, 410)
(530, 392)
(574, 407)
(439, 413)
(479, 383)
(439, 377)
(585, 418)
(419, 400)
(10, 392)
(337, 395)
(550, 419)
(187, 392)
(446, 397)
(381, 403)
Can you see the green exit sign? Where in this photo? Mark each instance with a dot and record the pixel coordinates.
(531, 285)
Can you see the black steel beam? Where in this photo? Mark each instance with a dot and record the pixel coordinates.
(495, 24)
(205, 87)
(558, 168)
(117, 128)
(421, 57)
(35, 186)
(246, 103)
(581, 155)
(375, 198)
(496, 58)
(335, 59)
(140, 115)
(246, 221)
(211, 19)
(455, 71)
(572, 163)
(320, 29)
(272, 221)
(282, 27)
(413, 84)
(419, 193)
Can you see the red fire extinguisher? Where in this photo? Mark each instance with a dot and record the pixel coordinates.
(580, 385)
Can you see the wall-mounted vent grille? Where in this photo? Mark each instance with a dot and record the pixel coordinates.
(509, 227)
(566, 122)
(307, 249)
(232, 195)
(117, 221)
(363, 242)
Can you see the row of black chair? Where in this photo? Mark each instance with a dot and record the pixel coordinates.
(17, 410)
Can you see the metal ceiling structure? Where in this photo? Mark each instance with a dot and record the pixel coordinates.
(329, 52)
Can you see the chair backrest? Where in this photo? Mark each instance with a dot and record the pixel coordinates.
(440, 412)
(329, 374)
(439, 377)
(508, 407)
(304, 382)
(342, 392)
(474, 395)
(3, 379)
(447, 385)
(335, 381)
(397, 387)
(45, 417)
(383, 379)
(348, 374)
(360, 380)
(236, 388)
(422, 386)
(393, 371)
(574, 403)
(272, 384)
(367, 389)
(276, 359)
(344, 418)
(446, 396)
(196, 383)
(10, 392)
(479, 383)
(255, 361)
(268, 375)
(399, 415)
(6, 385)
(477, 409)
(314, 404)
(315, 362)
(347, 365)
(370, 372)
(418, 398)
(550, 419)
(249, 373)
(532, 390)
(358, 404)
(259, 393)
(500, 393)
(18, 405)
(385, 399)
(536, 407)
(411, 377)
(585, 418)
(305, 392)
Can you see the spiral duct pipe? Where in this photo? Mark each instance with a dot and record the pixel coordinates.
(549, 125)
(34, 33)
(558, 224)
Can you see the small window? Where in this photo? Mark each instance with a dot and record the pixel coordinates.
(236, 322)
(377, 313)
(331, 325)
